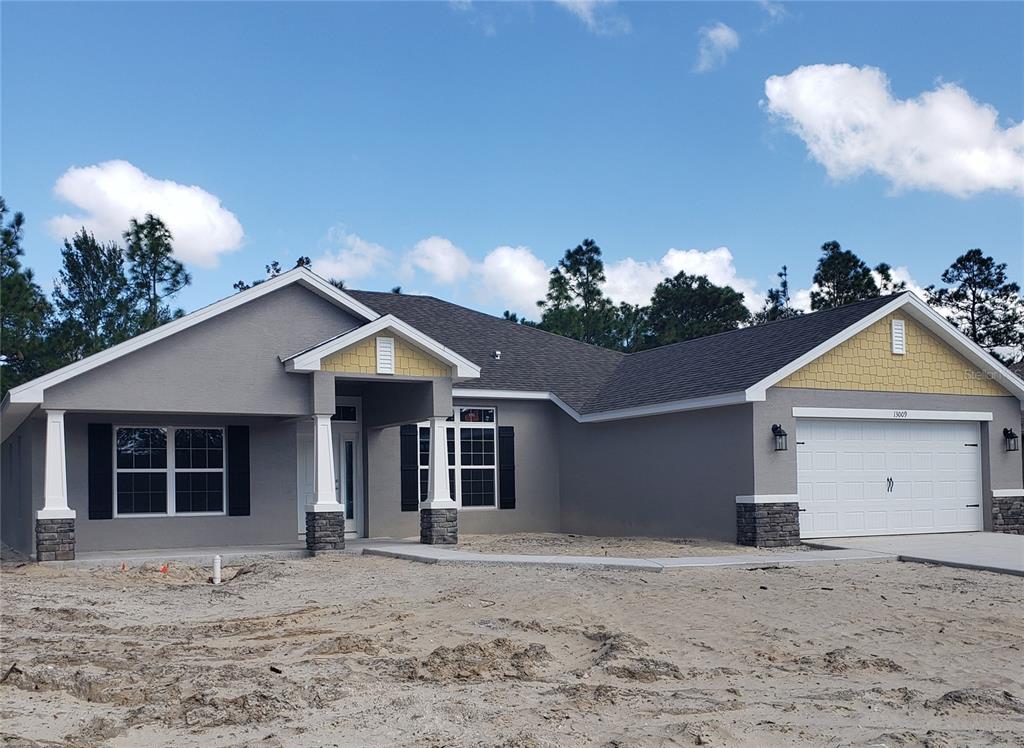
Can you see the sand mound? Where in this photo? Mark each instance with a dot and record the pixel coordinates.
(847, 659)
(977, 701)
(498, 659)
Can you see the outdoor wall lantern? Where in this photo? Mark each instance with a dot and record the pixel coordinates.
(1012, 440)
(780, 435)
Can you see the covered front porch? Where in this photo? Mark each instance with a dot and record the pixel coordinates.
(123, 480)
(342, 462)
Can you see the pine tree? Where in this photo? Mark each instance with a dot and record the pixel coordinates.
(983, 304)
(94, 303)
(576, 305)
(691, 306)
(777, 304)
(24, 310)
(841, 278)
(154, 273)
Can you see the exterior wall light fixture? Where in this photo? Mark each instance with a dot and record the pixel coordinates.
(779, 435)
(1012, 440)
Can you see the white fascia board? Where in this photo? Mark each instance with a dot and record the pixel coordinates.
(678, 406)
(921, 312)
(502, 394)
(893, 414)
(310, 360)
(695, 403)
(32, 392)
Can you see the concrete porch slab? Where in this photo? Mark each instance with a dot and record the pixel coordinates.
(985, 551)
(434, 554)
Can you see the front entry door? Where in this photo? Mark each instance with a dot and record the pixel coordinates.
(349, 476)
(347, 443)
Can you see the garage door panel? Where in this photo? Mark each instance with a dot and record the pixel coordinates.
(875, 521)
(923, 489)
(859, 477)
(824, 461)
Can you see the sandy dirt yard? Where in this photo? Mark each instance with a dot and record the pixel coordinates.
(349, 650)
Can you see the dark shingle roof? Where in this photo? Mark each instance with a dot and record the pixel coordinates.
(592, 379)
(531, 359)
(726, 362)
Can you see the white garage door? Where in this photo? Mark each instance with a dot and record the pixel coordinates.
(887, 477)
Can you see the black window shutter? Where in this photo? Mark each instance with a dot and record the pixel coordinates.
(410, 463)
(506, 467)
(238, 471)
(101, 471)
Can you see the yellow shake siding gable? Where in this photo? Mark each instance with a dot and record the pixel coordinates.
(866, 362)
(361, 358)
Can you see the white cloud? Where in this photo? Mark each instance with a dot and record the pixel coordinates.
(514, 275)
(599, 16)
(774, 12)
(633, 281)
(941, 140)
(348, 256)
(902, 274)
(716, 43)
(438, 257)
(113, 192)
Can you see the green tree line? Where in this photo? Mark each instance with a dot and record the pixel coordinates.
(108, 292)
(976, 295)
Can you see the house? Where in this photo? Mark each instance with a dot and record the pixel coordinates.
(296, 409)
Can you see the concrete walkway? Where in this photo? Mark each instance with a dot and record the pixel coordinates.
(986, 551)
(433, 554)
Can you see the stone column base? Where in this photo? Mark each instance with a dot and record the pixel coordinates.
(1008, 514)
(439, 526)
(325, 531)
(55, 540)
(768, 525)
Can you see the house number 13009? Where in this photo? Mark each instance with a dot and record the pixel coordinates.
(899, 414)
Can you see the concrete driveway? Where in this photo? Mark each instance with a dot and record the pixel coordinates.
(989, 551)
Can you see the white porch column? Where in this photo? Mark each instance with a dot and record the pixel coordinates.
(55, 482)
(324, 488)
(438, 491)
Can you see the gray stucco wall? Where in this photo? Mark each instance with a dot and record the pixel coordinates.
(21, 483)
(775, 472)
(670, 475)
(537, 470)
(228, 364)
(273, 512)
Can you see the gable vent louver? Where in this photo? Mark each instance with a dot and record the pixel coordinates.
(899, 337)
(385, 355)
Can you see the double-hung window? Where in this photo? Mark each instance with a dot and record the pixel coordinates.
(472, 457)
(169, 470)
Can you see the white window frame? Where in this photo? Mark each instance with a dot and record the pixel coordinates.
(171, 470)
(458, 424)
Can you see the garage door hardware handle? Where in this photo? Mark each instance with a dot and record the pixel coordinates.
(801, 510)
(972, 505)
(970, 445)
(889, 483)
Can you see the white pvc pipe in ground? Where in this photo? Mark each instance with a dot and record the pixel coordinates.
(216, 569)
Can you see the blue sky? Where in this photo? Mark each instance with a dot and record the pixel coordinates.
(458, 148)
